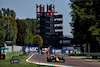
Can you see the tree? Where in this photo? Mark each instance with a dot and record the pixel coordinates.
(8, 16)
(12, 30)
(95, 29)
(0, 14)
(26, 30)
(33, 25)
(83, 17)
(25, 37)
(4, 11)
(7, 12)
(2, 23)
(37, 40)
(12, 14)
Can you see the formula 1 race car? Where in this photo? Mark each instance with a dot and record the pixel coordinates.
(55, 59)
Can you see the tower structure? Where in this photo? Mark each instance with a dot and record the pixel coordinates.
(49, 25)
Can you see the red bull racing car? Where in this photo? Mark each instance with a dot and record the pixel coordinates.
(55, 58)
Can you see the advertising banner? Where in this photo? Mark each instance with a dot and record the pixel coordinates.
(31, 49)
(56, 51)
(71, 52)
(61, 51)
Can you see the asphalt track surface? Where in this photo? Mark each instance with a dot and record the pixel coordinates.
(69, 61)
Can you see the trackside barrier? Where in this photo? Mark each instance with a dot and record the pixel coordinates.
(55, 51)
(31, 49)
(61, 51)
(36, 50)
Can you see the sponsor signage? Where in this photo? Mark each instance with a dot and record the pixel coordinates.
(21, 55)
(31, 49)
(71, 51)
(65, 41)
(14, 57)
(14, 60)
(56, 51)
(70, 48)
(62, 51)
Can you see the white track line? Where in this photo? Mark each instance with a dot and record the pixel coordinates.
(27, 60)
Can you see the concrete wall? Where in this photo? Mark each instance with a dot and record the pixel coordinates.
(15, 48)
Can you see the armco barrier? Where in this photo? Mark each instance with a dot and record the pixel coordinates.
(31, 49)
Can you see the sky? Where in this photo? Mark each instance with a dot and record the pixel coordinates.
(27, 9)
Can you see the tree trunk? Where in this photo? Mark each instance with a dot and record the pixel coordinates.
(82, 48)
(12, 48)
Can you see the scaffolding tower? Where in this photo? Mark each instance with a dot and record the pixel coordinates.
(49, 25)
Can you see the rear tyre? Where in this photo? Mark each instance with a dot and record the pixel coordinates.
(63, 60)
(49, 59)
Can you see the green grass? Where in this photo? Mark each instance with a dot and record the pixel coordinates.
(22, 62)
(10, 54)
(90, 58)
(84, 57)
(74, 54)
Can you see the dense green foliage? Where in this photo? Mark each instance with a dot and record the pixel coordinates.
(8, 26)
(85, 23)
(20, 32)
(7, 12)
(37, 40)
(33, 25)
(95, 29)
(2, 23)
(26, 30)
(12, 30)
(24, 36)
(10, 34)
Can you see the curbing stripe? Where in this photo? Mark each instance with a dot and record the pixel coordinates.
(29, 58)
(47, 64)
